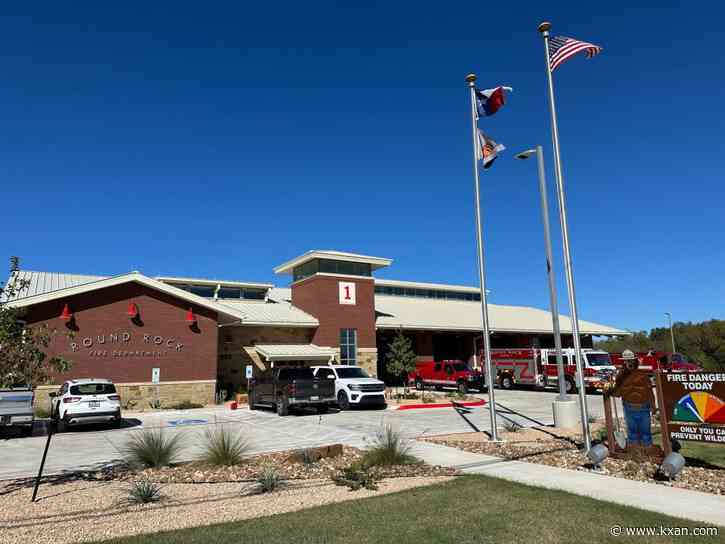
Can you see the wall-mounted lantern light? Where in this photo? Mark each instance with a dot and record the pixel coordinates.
(132, 311)
(190, 317)
(66, 314)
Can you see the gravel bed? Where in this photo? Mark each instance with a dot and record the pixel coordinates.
(197, 472)
(564, 453)
(83, 511)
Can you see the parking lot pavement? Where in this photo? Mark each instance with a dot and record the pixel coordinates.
(93, 447)
(537, 404)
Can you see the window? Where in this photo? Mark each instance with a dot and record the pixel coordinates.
(437, 367)
(303, 373)
(348, 346)
(206, 291)
(330, 266)
(93, 389)
(230, 292)
(426, 293)
(254, 294)
(348, 373)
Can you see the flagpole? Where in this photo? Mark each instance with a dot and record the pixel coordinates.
(568, 268)
(490, 379)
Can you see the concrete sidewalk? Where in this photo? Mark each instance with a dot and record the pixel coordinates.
(676, 502)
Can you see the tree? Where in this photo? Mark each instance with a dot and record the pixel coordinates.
(702, 343)
(23, 360)
(401, 357)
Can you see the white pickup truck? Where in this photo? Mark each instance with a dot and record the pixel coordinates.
(353, 386)
(16, 408)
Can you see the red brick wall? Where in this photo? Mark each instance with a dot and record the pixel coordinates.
(152, 341)
(318, 295)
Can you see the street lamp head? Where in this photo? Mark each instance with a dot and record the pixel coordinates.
(526, 154)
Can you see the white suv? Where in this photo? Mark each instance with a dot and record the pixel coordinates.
(353, 386)
(87, 401)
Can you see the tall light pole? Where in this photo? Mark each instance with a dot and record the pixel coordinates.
(490, 378)
(672, 331)
(549, 265)
(568, 267)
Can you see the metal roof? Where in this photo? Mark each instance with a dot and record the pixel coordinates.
(454, 315)
(270, 313)
(280, 294)
(40, 283)
(281, 352)
(112, 281)
(393, 311)
(375, 262)
(223, 283)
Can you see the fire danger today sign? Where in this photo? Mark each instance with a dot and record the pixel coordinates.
(694, 405)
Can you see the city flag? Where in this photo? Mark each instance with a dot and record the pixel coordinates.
(489, 101)
(487, 150)
(562, 49)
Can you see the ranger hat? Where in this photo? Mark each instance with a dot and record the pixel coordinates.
(628, 355)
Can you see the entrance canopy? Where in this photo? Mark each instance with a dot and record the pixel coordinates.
(294, 352)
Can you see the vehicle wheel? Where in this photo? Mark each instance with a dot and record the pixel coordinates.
(438, 387)
(342, 401)
(570, 385)
(418, 384)
(506, 382)
(27, 431)
(282, 407)
(462, 388)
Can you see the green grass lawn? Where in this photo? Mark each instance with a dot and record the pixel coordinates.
(698, 453)
(470, 509)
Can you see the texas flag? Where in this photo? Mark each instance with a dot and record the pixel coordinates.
(490, 100)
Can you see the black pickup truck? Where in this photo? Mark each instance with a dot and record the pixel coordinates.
(288, 387)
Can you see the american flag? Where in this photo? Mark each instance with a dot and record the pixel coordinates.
(562, 49)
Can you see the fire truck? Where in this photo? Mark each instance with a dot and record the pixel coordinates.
(659, 360)
(537, 367)
(441, 374)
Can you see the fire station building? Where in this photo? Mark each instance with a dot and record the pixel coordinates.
(187, 338)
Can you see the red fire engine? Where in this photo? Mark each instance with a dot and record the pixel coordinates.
(537, 367)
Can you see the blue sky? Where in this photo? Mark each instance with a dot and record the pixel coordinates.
(220, 139)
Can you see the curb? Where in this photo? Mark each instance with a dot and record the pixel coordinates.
(451, 404)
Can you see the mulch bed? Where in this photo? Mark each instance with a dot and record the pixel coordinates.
(565, 453)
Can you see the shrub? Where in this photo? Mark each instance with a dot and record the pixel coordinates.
(269, 480)
(601, 435)
(427, 398)
(224, 447)
(308, 457)
(389, 448)
(591, 418)
(41, 412)
(152, 448)
(144, 491)
(512, 426)
(186, 405)
(358, 477)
